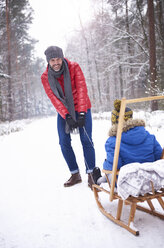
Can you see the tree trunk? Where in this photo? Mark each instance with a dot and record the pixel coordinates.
(152, 52)
(132, 82)
(9, 100)
(88, 61)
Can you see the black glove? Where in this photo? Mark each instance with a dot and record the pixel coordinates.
(70, 121)
(81, 119)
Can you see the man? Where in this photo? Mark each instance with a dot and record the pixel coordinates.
(65, 85)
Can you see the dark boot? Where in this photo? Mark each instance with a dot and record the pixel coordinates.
(96, 174)
(90, 180)
(74, 179)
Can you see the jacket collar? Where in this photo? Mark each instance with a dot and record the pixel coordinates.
(129, 124)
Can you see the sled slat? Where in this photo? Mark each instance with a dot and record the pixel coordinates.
(117, 147)
(119, 209)
(132, 213)
(150, 205)
(161, 202)
(153, 191)
(162, 156)
(144, 99)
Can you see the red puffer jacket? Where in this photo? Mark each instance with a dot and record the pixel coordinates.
(79, 89)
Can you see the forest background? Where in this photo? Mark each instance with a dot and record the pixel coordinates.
(120, 50)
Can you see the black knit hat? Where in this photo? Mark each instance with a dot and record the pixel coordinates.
(115, 113)
(53, 52)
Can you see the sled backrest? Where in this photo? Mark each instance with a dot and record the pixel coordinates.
(125, 101)
(162, 156)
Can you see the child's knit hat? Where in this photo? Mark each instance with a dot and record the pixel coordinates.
(115, 113)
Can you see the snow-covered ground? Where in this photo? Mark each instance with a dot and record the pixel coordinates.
(36, 211)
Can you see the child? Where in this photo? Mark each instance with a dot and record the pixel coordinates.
(137, 144)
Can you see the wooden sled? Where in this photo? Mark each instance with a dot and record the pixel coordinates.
(131, 201)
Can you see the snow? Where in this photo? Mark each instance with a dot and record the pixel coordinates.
(36, 211)
(2, 75)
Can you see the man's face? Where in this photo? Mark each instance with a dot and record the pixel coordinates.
(56, 63)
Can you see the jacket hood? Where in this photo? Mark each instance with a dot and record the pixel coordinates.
(136, 132)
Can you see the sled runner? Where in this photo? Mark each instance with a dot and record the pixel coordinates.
(131, 201)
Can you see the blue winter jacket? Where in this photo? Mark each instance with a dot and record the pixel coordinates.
(137, 145)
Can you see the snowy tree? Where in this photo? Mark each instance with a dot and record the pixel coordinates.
(21, 94)
(115, 51)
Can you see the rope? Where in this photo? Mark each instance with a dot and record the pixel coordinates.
(85, 131)
(88, 136)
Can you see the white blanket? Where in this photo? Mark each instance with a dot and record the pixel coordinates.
(135, 178)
